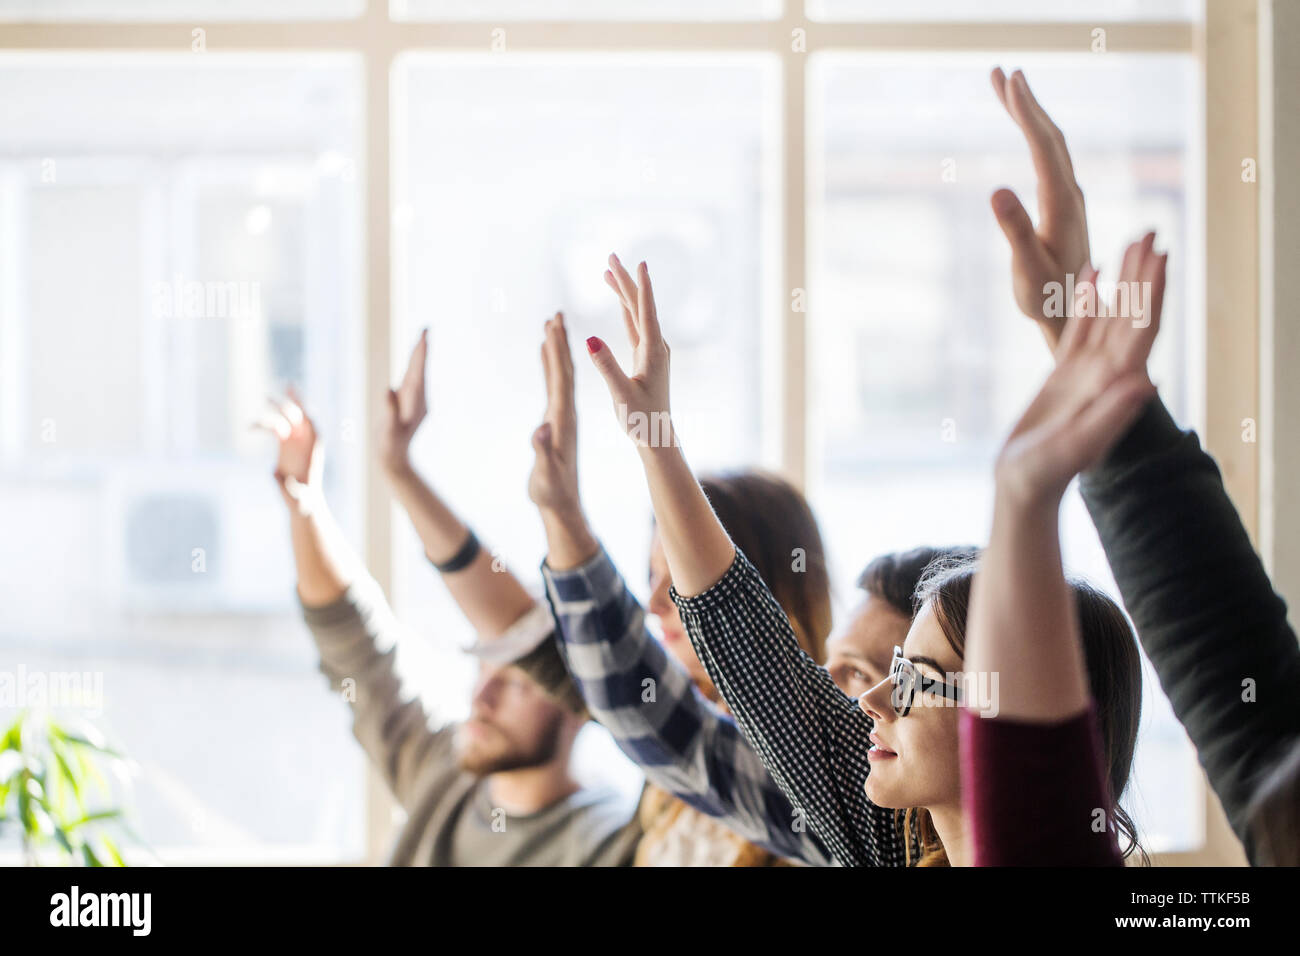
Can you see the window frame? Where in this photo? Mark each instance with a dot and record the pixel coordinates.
(1224, 43)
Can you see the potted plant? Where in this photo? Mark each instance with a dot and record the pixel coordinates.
(54, 790)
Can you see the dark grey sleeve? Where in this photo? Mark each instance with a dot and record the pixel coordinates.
(1203, 606)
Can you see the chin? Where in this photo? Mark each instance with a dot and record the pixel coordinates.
(881, 794)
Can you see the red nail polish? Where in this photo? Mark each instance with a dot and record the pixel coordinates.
(593, 345)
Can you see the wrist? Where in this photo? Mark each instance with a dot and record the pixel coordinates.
(570, 542)
(397, 470)
(568, 524)
(656, 457)
(1017, 497)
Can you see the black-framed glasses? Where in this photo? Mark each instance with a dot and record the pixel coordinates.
(905, 681)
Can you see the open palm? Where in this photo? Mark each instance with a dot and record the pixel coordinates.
(640, 399)
(300, 460)
(553, 482)
(405, 409)
(1058, 245)
(1098, 387)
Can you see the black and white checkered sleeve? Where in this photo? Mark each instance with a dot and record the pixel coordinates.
(811, 736)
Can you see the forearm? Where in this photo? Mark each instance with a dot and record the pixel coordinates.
(1201, 602)
(570, 542)
(490, 599)
(326, 563)
(1023, 626)
(697, 547)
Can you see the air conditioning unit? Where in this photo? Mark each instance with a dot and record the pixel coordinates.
(197, 537)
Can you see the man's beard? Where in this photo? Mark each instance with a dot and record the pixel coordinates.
(480, 762)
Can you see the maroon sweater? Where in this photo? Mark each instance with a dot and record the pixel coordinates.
(1035, 794)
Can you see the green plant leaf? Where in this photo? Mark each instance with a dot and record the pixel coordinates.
(112, 849)
(97, 816)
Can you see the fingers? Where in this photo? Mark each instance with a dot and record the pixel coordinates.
(626, 288)
(558, 366)
(288, 409)
(1083, 315)
(1133, 256)
(629, 323)
(274, 423)
(608, 367)
(1016, 225)
(1148, 291)
(414, 377)
(566, 353)
(1033, 122)
(1000, 86)
(392, 404)
(646, 307)
(1052, 139)
(542, 439)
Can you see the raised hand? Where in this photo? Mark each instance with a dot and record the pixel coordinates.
(1098, 387)
(640, 399)
(553, 483)
(1059, 244)
(301, 462)
(404, 411)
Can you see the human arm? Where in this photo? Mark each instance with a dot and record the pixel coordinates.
(354, 629)
(811, 737)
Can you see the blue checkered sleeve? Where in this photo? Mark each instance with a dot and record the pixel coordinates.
(658, 717)
(811, 735)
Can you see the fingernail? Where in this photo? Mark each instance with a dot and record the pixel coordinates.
(593, 345)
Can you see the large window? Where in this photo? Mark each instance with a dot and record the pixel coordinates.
(182, 240)
(203, 202)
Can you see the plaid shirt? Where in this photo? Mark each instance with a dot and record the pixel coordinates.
(812, 736)
(660, 719)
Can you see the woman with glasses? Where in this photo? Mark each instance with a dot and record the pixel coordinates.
(837, 758)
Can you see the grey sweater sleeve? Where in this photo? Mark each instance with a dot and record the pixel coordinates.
(1203, 606)
(357, 636)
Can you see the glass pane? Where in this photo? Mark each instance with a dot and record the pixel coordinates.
(916, 341)
(1094, 11)
(171, 11)
(180, 240)
(585, 9)
(516, 178)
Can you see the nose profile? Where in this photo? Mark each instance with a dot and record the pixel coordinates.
(875, 703)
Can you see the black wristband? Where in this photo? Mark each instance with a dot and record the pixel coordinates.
(462, 558)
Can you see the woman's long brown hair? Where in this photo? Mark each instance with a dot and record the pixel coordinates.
(770, 521)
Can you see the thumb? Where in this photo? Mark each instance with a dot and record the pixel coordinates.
(1014, 220)
(542, 440)
(393, 415)
(607, 365)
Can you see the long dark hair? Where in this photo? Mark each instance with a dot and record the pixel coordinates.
(770, 521)
(1114, 678)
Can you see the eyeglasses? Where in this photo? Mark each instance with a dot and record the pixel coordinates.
(905, 680)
